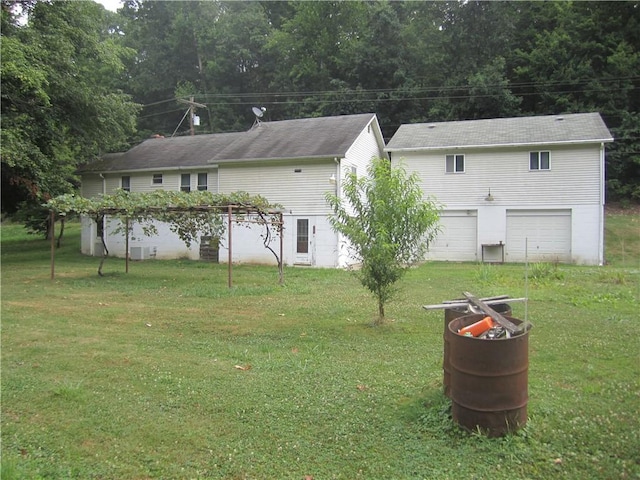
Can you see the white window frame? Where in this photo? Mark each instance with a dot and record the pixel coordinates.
(185, 187)
(127, 187)
(203, 186)
(538, 159)
(454, 157)
(156, 179)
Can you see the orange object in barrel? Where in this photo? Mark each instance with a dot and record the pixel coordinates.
(478, 328)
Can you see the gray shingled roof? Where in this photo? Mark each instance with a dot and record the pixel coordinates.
(324, 137)
(551, 129)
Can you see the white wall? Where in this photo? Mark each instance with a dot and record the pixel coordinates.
(574, 177)
(247, 243)
(574, 182)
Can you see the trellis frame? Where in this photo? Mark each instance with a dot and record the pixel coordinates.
(230, 209)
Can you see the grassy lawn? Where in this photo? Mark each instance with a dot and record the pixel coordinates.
(165, 373)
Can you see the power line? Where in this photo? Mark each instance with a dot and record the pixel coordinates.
(399, 90)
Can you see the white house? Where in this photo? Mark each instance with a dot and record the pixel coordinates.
(292, 162)
(513, 189)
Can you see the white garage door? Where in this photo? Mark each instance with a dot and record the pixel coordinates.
(457, 240)
(545, 234)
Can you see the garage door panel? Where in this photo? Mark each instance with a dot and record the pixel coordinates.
(457, 240)
(538, 235)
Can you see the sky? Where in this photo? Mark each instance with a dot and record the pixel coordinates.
(112, 5)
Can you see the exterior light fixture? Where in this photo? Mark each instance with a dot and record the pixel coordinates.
(489, 197)
(332, 179)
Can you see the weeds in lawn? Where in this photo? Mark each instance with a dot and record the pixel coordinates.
(545, 272)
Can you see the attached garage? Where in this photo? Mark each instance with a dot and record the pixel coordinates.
(457, 240)
(538, 236)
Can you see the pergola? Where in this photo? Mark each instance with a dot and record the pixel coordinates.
(267, 217)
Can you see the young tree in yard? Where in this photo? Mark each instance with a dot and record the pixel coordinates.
(388, 223)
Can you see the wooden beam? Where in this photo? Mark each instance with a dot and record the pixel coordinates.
(52, 219)
(511, 327)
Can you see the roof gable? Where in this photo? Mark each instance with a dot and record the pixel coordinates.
(551, 129)
(323, 137)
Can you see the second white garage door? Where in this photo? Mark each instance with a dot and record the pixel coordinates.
(545, 235)
(457, 240)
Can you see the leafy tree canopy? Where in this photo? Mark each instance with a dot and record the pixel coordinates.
(387, 223)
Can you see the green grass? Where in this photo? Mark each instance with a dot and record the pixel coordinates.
(622, 238)
(166, 373)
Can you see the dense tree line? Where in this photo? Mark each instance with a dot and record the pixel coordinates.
(73, 73)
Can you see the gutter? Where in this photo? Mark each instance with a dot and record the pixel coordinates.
(143, 170)
(275, 159)
(494, 145)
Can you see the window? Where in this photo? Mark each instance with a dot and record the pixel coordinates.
(539, 161)
(125, 183)
(185, 182)
(455, 164)
(202, 181)
(157, 179)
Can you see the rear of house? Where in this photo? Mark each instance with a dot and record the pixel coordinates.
(513, 189)
(293, 163)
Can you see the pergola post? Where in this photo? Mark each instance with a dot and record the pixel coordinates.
(52, 219)
(126, 246)
(281, 233)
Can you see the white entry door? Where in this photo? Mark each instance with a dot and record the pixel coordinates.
(303, 242)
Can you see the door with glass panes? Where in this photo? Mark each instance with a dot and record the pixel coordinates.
(303, 242)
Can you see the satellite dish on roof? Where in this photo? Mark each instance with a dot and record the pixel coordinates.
(259, 113)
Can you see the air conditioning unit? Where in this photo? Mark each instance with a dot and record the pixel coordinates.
(98, 249)
(140, 253)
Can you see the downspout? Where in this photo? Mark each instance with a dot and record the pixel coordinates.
(601, 206)
(338, 185)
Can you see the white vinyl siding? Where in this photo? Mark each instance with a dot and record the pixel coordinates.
(91, 186)
(300, 192)
(574, 179)
(360, 154)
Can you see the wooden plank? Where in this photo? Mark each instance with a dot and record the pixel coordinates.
(511, 327)
(486, 299)
(465, 303)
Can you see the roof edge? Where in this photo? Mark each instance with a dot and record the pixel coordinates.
(494, 145)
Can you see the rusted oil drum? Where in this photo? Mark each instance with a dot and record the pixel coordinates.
(489, 379)
(452, 314)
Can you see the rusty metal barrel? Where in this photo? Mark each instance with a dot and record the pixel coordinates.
(449, 315)
(489, 379)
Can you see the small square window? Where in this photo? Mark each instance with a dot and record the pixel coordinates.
(157, 179)
(185, 182)
(202, 181)
(454, 164)
(539, 161)
(125, 183)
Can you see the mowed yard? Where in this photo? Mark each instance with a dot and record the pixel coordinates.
(165, 373)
